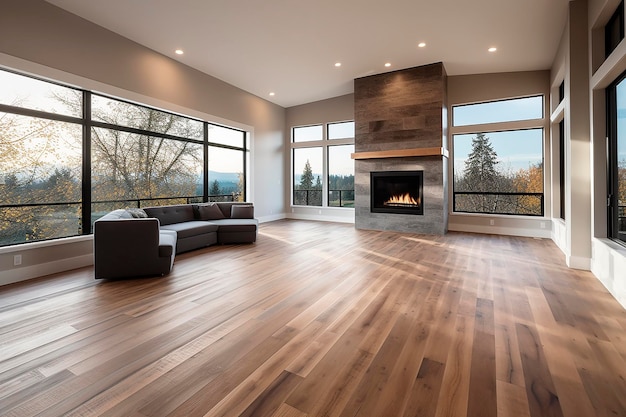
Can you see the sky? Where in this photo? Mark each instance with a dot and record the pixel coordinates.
(517, 149)
(621, 121)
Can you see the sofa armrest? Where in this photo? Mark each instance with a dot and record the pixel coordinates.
(167, 243)
(129, 247)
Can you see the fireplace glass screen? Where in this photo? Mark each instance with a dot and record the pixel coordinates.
(397, 192)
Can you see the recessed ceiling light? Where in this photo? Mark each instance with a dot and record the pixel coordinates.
(272, 94)
(492, 49)
(388, 64)
(421, 44)
(179, 52)
(337, 64)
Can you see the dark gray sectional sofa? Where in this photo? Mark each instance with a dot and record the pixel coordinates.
(143, 242)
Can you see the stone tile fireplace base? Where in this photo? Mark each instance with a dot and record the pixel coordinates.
(435, 217)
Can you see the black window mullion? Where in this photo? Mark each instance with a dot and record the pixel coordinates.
(205, 169)
(142, 132)
(245, 168)
(86, 174)
(39, 114)
(612, 160)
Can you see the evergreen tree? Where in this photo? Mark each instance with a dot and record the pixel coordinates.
(215, 188)
(306, 181)
(480, 175)
(480, 169)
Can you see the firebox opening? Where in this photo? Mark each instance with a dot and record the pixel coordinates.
(397, 192)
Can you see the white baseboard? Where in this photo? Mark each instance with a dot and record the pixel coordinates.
(271, 218)
(578, 262)
(35, 271)
(495, 230)
(334, 219)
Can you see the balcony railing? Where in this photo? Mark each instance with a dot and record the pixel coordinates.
(313, 197)
(528, 204)
(341, 198)
(27, 222)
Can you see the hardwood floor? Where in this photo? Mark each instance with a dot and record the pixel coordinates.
(320, 319)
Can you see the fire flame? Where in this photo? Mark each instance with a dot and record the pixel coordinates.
(404, 199)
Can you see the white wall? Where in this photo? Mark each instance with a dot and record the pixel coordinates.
(608, 259)
(43, 40)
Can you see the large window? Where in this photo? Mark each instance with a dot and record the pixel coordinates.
(68, 156)
(323, 172)
(499, 171)
(616, 95)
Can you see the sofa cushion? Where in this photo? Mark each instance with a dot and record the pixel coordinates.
(171, 214)
(191, 228)
(236, 225)
(241, 212)
(137, 213)
(117, 214)
(207, 211)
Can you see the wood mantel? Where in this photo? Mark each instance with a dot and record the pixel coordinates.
(401, 153)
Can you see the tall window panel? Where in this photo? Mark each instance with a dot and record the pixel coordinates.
(226, 174)
(340, 176)
(307, 176)
(562, 169)
(499, 172)
(40, 160)
(616, 95)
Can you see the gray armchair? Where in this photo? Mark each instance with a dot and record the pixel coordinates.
(131, 247)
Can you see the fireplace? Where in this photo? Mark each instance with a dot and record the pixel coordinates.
(397, 192)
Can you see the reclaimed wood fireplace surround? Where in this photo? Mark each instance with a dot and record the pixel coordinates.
(401, 125)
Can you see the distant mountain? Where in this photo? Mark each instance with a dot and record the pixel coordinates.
(224, 177)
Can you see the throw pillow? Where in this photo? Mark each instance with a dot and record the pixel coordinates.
(137, 213)
(238, 211)
(208, 211)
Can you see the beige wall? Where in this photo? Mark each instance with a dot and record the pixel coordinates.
(44, 40)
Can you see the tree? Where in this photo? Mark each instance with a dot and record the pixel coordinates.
(315, 198)
(480, 169)
(306, 181)
(134, 166)
(215, 188)
(529, 181)
(34, 151)
(480, 175)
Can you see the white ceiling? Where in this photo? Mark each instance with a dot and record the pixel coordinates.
(290, 47)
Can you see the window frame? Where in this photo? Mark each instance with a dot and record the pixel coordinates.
(612, 167)
(324, 142)
(494, 127)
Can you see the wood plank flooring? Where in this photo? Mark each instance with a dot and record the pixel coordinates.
(320, 319)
